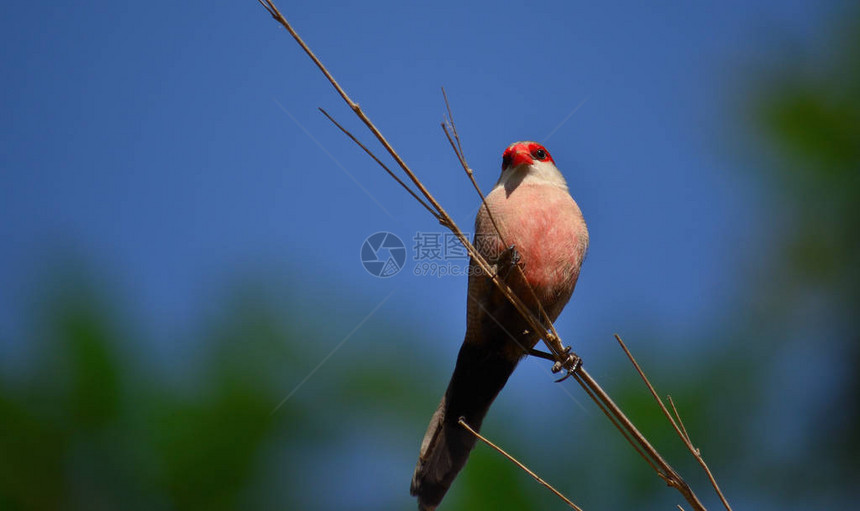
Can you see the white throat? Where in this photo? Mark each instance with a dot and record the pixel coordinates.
(536, 173)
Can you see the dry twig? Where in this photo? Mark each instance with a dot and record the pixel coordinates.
(677, 425)
(536, 477)
(565, 360)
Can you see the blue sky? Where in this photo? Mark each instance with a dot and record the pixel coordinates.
(176, 146)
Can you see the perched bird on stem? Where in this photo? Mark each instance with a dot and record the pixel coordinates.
(532, 233)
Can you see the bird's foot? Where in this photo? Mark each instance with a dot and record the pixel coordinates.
(510, 256)
(571, 364)
(508, 260)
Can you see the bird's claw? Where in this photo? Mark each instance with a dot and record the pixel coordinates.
(509, 257)
(571, 365)
(508, 260)
(513, 255)
(566, 376)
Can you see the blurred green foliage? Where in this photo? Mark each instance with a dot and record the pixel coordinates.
(93, 428)
(809, 112)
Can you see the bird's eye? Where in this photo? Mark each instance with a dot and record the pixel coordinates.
(540, 154)
(506, 161)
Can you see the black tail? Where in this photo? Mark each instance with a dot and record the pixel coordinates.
(479, 375)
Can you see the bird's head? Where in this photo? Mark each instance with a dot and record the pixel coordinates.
(529, 162)
(524, 153)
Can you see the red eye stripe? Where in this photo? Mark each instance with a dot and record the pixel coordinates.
(519, 153)
(539, 152)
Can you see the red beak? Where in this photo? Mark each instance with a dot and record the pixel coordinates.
(520, 156)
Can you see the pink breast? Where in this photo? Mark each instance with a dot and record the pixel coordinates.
(547, 228)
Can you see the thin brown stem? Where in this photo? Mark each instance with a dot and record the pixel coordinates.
(378, 161)
(516, 462)
(650, 387)
(453, 126)
(665, 471)
(678, 416)
(620, 427)
(461, 156)
(680, 430)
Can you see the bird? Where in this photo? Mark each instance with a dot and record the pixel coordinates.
(529, 219)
